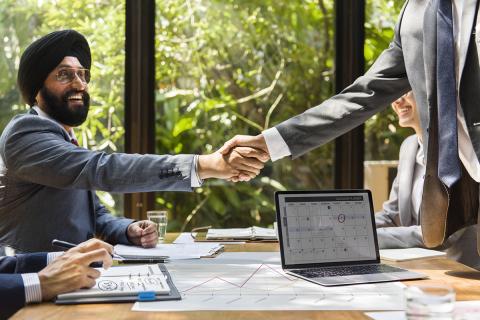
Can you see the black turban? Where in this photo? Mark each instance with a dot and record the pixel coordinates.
(44, 55)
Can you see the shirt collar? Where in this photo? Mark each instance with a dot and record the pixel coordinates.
(420, 157)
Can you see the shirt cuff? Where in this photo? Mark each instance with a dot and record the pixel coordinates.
(195, 179)
(277, 147)
(33, 291)
(53, 255)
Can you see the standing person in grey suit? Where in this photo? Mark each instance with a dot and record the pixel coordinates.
(48, 182)
(436, 47)
(398, 224)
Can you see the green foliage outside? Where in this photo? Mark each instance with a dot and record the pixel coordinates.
(238, 67)
(222, 68)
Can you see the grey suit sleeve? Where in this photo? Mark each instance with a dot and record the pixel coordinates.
(35, 150)
(109, 228)
(400, 237)
(389, 216)
(383, 83)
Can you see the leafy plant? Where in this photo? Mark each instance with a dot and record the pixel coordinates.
(223, 67)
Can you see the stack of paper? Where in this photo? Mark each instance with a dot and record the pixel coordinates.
(170, 251)
(252, 233)
(409, 254)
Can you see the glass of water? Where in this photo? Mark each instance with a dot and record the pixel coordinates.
(160, 218)
(430, 302)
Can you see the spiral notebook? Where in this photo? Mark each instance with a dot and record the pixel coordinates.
(251, 234)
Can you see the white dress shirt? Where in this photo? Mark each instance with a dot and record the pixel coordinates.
(195, 180)
(31, 282)
(278, 148)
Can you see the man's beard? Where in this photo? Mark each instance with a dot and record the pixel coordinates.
(58, 108)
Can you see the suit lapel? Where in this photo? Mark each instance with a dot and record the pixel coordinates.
(406, 169)
(467, 23)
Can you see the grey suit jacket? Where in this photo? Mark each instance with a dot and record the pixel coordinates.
(47, 185)
(408, 63)
(395, 223)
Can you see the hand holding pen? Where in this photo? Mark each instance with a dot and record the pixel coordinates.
(86, 246)
(73, 269)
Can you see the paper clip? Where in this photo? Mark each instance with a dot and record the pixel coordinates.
(147, 296)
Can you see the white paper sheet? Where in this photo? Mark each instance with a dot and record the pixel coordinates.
(409, 254)
(173, 251)
(134, 269)
(464, 310)
(207, 286)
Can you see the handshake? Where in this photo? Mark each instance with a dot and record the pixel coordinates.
(239, 159)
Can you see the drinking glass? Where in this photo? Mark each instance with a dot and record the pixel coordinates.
(160, 218)
(429, 302)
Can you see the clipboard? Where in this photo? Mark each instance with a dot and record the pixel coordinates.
(174, 294)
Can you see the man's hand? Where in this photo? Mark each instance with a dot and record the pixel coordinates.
(237, 163)
(143, 233)
(246, 147)
(71, 270)
(256, 143)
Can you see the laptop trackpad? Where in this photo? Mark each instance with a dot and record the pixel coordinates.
(363, 278)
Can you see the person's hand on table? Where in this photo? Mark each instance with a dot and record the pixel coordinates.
(143, 233)
(71, 271)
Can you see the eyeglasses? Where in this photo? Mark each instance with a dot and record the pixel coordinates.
(67, 75)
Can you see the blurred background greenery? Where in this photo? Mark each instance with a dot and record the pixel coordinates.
(223, 67)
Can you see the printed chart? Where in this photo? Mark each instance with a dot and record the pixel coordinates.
(267, 287)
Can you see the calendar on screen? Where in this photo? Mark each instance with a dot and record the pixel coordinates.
(325, 228)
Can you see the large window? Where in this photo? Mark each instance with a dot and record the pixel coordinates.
(103, 24)
(238, 67)
(383, 136)
(222, 68)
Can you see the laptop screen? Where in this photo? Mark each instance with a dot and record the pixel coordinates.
(318, 227)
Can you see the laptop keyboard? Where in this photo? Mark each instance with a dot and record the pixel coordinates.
(345, 270)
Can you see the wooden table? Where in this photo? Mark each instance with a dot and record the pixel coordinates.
(466, 282)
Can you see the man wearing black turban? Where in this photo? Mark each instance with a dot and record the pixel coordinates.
(48, 183)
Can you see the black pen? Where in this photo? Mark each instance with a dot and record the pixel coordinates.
(143, 260)
(69, 245)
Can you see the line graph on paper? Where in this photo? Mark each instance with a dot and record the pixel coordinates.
(267, 287)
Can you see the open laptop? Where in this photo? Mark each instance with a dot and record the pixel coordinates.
(329, 237)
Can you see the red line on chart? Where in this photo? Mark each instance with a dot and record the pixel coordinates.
(244, 283)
